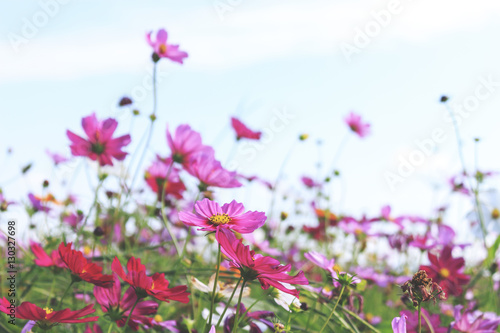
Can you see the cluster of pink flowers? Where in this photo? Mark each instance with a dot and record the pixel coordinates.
(303, 273)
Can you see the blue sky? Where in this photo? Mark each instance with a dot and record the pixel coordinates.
(251, 60)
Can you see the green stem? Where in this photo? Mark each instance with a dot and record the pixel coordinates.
(317, 299)
(466, 175)
(428, 322)
(331, 314)
(419, 327)
(367, 324)
(164, 217)
(188, 237)
(111, 326)
(130, 314)
(150, 133)
(215, 286)
(237, 315)
(94, 203)
(289, 320)
(228, 302)
(64, 295)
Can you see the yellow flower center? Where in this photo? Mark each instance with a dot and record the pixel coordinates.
(84, 271)
(48, 311)
(220, 219)
(337, 269)
(158, 318)
(369, 317)
(87, 250)
(163, 48)
(495, 213)
(153, 287)
(444, 272)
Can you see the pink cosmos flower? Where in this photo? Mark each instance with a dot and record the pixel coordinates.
(356, 125)
(425, 242)
(94, 329)
(155, 285)
(457, 184)
(73, 219)
(43, 259)
(186, 144)
(320, 260)
(355, 227)
(386, 215)
(412, 321)
(267, 270)
(209, 216)
(447, 271)
(399, 324)
(368, 273)
(118, 307)
(57, 158)
(248, 319)
(100, 145)
(329, 265)
(164, 50)
(309, 182)
(242, 131)
(470, 321)
(210, 172)
(157, 324)
(155, 178)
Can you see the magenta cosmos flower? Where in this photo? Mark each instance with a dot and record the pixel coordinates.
(267, 270)
(155, 177)
(47, 318)
(155, 285)
(118, 308)
(470, 321)
(93, 329)
(356, 125)
(447, 271)
(100, 145)
(242, 131)
(412, 322)
(164, 50)
(42, 259)
(210, 172)
(185, 144)
(209, 216)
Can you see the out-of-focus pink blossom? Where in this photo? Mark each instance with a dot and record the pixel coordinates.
(56, 158)
(164, 50)
(357, 125)
(469, 321)
(100, 146)
(210, 172)
(242, 131)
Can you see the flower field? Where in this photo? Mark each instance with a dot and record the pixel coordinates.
(161, 249)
